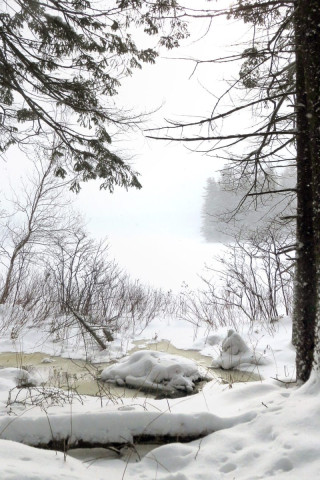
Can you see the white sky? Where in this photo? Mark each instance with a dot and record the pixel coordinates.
(155, 232)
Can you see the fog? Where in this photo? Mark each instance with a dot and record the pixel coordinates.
(154, 233)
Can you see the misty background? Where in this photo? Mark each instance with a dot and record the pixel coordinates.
(155, 233)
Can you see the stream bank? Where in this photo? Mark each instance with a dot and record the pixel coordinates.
(82, 376)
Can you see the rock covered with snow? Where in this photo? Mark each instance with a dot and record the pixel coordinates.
(233, 344)
(235, 352)
(153, 370)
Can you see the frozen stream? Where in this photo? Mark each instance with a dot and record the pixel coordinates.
(82, 376)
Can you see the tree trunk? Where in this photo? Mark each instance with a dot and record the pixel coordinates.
(8, 281)
(312, 75)
(87, 327)
(308, 184)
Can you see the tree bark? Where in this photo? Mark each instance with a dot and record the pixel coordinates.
(304, 295)
(312, 75)
(306, 308)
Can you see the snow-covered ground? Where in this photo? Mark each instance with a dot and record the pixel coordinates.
(256, 430)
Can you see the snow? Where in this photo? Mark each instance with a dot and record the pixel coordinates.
(17, 377)
(249, 431)
(280, 439)
(108, 427)
(30, 340)
(236, 353)
(20, 462)
(156, 371)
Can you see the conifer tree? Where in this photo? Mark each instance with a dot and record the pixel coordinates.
(280, 74)
(61, 63)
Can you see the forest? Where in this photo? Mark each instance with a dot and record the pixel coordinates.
(107, 367)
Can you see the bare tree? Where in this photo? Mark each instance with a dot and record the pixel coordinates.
(252, 280)
(35, 214)
(87, 289)
(280, 74)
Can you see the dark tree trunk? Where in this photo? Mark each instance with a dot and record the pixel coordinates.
(307, 23)
(312, 73)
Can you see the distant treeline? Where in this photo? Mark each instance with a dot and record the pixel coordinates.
(227, 208)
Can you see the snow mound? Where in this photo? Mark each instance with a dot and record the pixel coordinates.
(11, 377)
(152, 370)
(20, 462)
(117, 427)
(235, 353)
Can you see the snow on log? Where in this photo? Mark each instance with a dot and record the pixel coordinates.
(112, 428)
(153, 370)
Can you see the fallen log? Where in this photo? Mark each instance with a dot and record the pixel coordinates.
(112, 429)
(64, 445)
